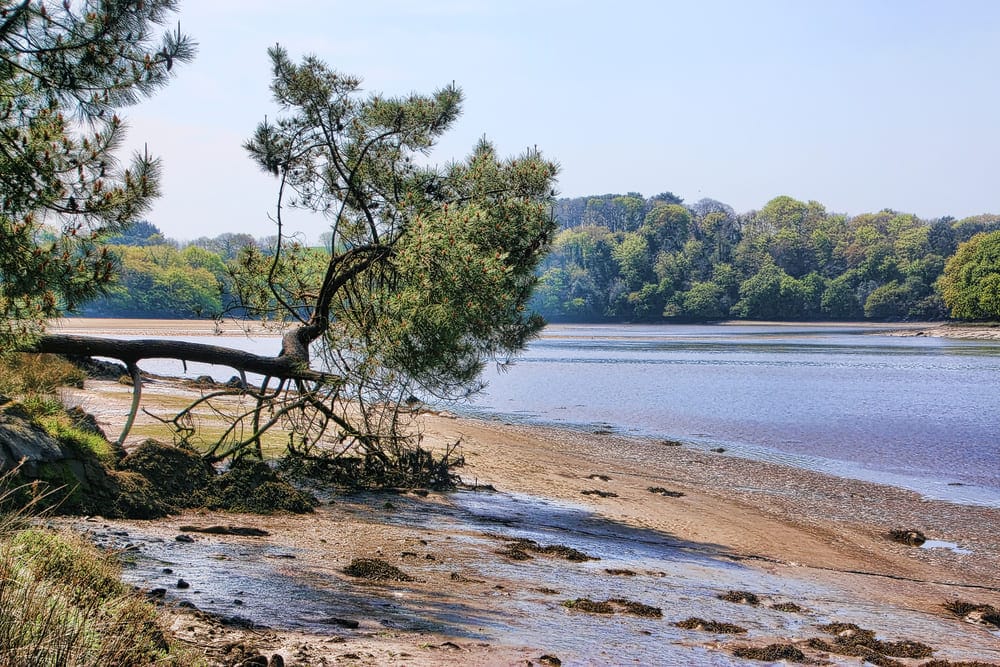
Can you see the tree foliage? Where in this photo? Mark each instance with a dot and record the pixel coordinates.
(790, 260)
(971, 280)
(423, 279)
(64, 70)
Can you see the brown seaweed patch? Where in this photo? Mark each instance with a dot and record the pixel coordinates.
(851, 640)
(614, 605)
(589, 606)
(519, 550)
(971, 612)
(741, 597)
(770, 652)
(788, 607)
(603, 478)
(637, 608)
(618, 572)
(375, 570)
(961, 663)
(718, 627)
(912, 538)
(667, 493)
(599, 493)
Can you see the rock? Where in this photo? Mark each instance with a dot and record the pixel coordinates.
(21, 442)
(183, 584)
(184, 538)
(276, 661)
(156, 593)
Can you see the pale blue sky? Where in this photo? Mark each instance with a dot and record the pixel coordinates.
(860, 105)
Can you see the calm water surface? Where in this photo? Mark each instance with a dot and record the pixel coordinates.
(912, 411)
(915, 412)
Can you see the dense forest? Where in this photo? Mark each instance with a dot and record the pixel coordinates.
(627, 258)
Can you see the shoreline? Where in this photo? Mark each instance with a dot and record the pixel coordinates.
(157, 327)
(792, 534)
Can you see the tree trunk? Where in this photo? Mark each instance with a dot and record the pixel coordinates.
(291, 364)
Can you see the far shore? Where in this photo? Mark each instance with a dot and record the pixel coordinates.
(229, 327)
(826, 536)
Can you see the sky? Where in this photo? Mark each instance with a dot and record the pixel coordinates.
(858, 104)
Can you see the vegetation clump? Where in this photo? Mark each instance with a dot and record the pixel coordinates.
(519, 550)
(852, 640)
(375, 569)
(661, 491)
(180, 474)
(718, 627)
(62, 601)
(788, 607)
(599, 493)
(613, 606)
(253, 486)
(741, 597)
(909, 537)
(772, 652)
(972, 612)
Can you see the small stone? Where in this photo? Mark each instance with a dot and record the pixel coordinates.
(183, 584)
(184, 538)
(168, 570)
(156, 593)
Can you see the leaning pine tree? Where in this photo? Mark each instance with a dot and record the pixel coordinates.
(424, 281)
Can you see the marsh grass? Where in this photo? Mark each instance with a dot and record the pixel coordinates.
(62, 602)
(23, 374)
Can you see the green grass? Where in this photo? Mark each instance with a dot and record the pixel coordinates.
(63, 603)
(61, 427)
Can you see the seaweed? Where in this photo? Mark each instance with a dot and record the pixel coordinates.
(909, 537)
(376, 570)
(770, 652)
(718, 627)
(599, 493)
(659, 490)
(741, 597)
(518, 550)
(972, 612)
(613, 606)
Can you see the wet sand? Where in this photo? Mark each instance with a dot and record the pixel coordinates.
(787, 534)
(160, 328)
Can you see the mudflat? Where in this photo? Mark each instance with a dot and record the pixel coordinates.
(586, 548)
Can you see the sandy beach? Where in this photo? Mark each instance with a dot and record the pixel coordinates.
(672, 527)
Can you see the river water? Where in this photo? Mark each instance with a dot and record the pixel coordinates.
(915, 412)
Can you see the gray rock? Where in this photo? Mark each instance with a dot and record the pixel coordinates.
(20, 440)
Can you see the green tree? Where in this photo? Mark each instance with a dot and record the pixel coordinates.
(970, 283)
(428, 279)
(65, 67)
(704, 302)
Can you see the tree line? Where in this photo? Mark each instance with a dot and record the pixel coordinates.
(627, 258)
(159, 277)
